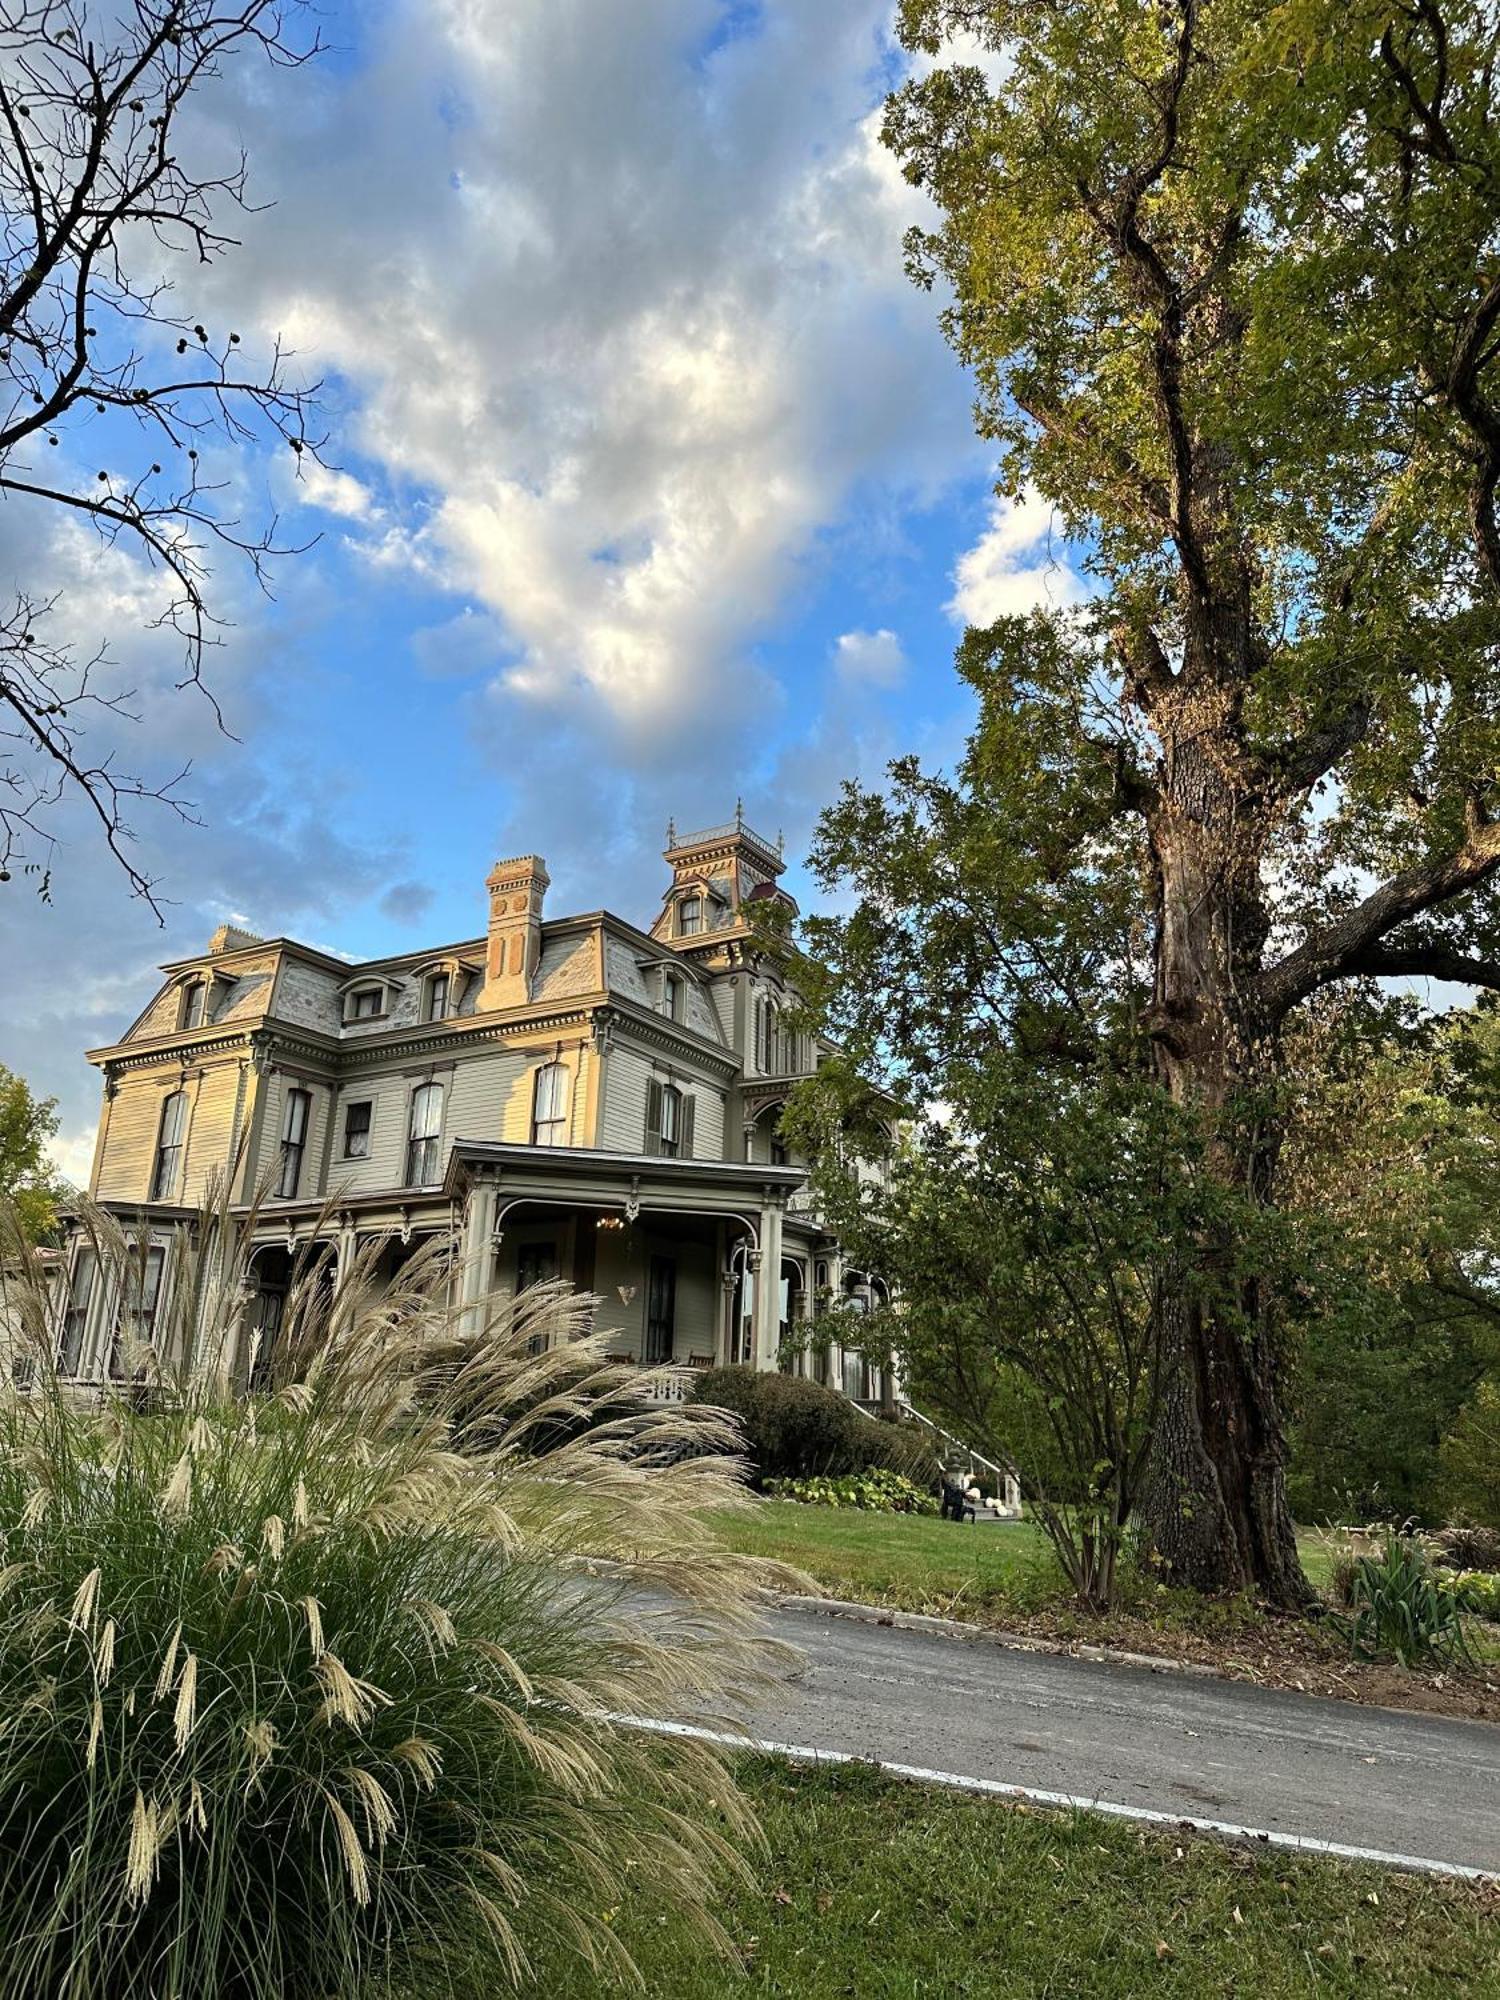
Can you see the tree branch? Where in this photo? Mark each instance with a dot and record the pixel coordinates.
(1343, 948)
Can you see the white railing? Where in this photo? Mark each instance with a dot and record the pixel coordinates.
(1007, 1486)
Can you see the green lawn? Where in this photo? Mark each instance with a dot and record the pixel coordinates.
(916, 1562)
(887, 1891)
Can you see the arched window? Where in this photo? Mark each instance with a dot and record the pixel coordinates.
(549, 1105)
(422, 1135)
(169, 1146)
(293, 1143)
(194, 1004)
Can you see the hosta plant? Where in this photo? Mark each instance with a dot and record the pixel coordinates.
(293, 1684)
(877, 1491)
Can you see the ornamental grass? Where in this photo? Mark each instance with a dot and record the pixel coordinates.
(297, 1685)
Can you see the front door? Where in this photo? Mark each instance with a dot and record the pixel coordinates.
(661, 1306)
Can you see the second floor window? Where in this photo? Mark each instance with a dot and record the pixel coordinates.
(357, 1131)
(549, 1118)
(690, 916)
(293, 1143)
(195, 1004)
(437, 997)
(169, 1146)
(422, 1135)
(368, 1004)
(671, 996)
(76, 1319)
(669, 1121)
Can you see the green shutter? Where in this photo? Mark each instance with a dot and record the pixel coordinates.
(653, 1115)
(685, 1143)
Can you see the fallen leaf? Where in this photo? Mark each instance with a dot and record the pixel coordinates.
(1163, 1949)
(782, 1896)
(1237, 1917)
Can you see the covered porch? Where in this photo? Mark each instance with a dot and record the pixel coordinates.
(680, 1251)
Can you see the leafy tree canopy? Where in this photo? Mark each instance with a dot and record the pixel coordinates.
(26, 1175)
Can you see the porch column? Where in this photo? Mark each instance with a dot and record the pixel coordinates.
(724, 1336)
(768, 1287)
(476, 1250)
(347, 1251)
(806, 1360)
(835, 1362)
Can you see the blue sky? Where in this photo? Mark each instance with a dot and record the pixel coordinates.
(653, 485)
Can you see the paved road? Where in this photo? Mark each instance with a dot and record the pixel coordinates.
(1287, 1763)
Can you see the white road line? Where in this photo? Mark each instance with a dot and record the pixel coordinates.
(1295, 1843)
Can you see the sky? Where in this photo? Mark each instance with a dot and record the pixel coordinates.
(650, 485)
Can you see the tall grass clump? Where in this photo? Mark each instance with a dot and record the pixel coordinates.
(296, 1686)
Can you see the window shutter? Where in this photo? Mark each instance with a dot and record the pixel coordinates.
(685, 1148)
(653, 1115)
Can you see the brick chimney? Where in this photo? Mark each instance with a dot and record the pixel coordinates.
(517, 889)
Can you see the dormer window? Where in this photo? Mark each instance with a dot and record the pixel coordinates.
(690, 916)
(194, 1004)
(671, 996)
(365, 1003)
(439, 987)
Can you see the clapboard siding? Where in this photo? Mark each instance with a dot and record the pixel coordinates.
(130, 1143)
(623, 1113)
(697, 1301)
(214, 1097)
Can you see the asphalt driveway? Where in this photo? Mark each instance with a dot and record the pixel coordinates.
(1294, 1765)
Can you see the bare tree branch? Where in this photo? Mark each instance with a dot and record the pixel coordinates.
(94, 193)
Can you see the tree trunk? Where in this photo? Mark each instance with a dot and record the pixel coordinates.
(1217, 1504)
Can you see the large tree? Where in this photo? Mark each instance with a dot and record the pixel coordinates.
(27, 1178)
(110, 203)
(1228, 277)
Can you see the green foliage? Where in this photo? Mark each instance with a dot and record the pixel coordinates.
(876, 1492)
(289, 1683)
(1478, 1591)
(26, 1177)
(1224, 277)
(1400, 1605)
(1470, 1459)
(797, 1429)
(1393, 1146)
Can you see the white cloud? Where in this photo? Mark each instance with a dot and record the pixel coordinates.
(334, 491)
(1016, 566)
(630, 322)
(871, 659)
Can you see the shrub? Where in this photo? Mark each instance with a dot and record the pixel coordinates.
(796, 1429)
(290, 1684)
(1398, 1604)
(1470, 1460)
(877, 1492)
(1463, 1546)
(1478, 1590)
